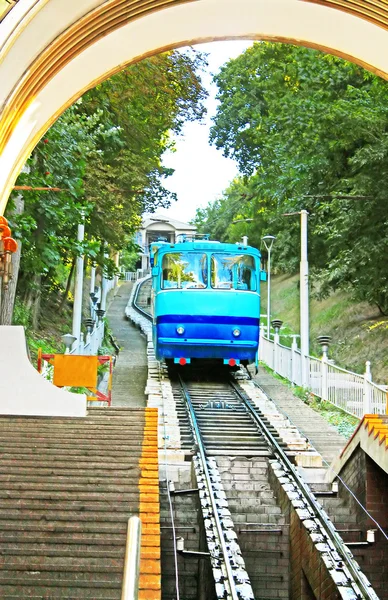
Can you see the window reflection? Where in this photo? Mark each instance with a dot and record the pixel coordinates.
(181, 270)
(233, 271)
(184, 270)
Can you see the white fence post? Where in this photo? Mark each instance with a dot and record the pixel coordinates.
(367, 389)
(275, 352)
(276, 324)
(294, 348)
(81, 345)
(324, 371)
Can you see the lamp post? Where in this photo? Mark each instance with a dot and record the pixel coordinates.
(68, 340)
(268, 243)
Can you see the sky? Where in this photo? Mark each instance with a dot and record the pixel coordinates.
(201, 171)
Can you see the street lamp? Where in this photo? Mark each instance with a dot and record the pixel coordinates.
(268, 243)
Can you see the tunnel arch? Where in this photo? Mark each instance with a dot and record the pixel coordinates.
(52, 51)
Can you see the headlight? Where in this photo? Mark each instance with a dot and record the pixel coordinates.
(236, 332)
(180, 330)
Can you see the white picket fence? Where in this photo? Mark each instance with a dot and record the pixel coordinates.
(355, 394)
(92, 343)
(135, 275)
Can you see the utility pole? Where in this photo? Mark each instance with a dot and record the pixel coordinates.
(304, 295)
(78, 287)
(304, 298)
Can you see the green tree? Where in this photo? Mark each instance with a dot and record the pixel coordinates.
(308, 130)
(105, 154)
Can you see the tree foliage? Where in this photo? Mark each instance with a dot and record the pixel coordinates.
(308, 130)
(105, 153)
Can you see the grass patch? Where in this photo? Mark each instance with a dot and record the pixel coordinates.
(357, 330)
(342, 421)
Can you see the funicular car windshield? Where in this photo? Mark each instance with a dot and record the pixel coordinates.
(233, 271)
(182, 270)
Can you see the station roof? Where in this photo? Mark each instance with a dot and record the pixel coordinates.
(178, 225)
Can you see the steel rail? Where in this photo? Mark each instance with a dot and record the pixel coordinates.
(201, 451)
(309, 497)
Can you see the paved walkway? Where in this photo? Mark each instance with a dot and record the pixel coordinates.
(324, 437)
(130, 372)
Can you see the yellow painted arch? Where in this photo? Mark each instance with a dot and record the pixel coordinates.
(52, 51)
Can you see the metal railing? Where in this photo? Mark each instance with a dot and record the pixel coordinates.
(93, 341)
(135, 275)
(130, 589)
(354, 393)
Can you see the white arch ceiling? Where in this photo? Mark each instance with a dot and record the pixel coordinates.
(52, 51)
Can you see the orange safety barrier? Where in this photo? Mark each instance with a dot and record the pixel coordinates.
(75, 370)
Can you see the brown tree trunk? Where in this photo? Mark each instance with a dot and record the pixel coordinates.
(8, 296)
(36, 302)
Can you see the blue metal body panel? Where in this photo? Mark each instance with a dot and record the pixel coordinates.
(208, 316)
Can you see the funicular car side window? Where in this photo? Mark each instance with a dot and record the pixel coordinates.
(231, 271)
(181, 270)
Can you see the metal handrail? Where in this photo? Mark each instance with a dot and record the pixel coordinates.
(130, 589)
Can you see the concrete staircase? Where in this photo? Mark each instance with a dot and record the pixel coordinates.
(263, 534)
(67, 489)
(323, 436)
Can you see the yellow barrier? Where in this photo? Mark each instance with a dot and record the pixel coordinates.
(74, 370)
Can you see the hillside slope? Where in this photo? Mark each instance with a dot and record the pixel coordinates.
(359, 333)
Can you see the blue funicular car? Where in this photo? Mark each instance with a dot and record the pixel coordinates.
(206, 301)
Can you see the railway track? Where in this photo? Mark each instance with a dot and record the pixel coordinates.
(219, 419)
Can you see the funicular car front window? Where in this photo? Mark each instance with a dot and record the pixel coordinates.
(182, 270)
(233, 271)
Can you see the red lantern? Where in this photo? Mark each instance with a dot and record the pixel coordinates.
(5, 231)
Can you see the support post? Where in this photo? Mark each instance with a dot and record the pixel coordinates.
(367, 400)
(294, 348)
(117, 264)
(79, 278)
(276, 324)
(92, 277)
(304, 299)
(324, 369)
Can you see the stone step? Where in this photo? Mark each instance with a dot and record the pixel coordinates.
(60, 463)
(62, 527)
(119, 477)
(62, 539)
(67, 490)
(105, 590)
